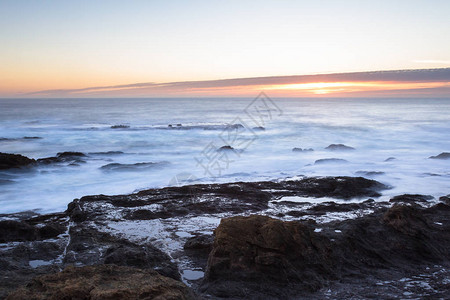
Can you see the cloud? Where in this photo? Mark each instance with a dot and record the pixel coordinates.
(244, 86)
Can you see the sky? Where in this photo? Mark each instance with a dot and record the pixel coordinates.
(127, 48)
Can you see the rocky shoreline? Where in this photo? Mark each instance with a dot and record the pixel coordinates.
(316, 237)
(270, 239)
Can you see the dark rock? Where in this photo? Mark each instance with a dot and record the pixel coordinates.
(259, 128)
(11, 230)
(339, 147)
(70, 154)
(443, 155)
(121, 126)
(16, 231)
(330, 160)
(269, 256)
(411, 198)
(225, 148)
(8, 161)
(445, 199)
(302, 150)
(107, 153)
(133, 167)
(32, 138)
(103, 282)
(64, 157)
(200, 242)
(143, 257)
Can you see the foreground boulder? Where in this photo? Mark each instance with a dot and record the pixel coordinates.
(103, 282)
(9, 161)
(260, 252)
(259, 256)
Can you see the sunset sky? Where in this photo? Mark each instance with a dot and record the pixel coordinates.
(224, 48)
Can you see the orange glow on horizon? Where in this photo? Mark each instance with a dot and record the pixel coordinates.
(320, 88)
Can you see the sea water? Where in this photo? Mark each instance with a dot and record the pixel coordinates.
(181, 138)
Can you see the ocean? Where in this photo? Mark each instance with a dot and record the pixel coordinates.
(135, 144)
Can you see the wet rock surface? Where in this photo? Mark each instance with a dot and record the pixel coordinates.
(9, 161)
(103, 282)
(277, 239)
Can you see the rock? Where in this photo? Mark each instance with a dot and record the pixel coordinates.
(259, 128)
(107, 153)
(143, 257)
(268, 256)
(103, 282)
(330, 160)
(8, 161)
(254, 255)
(16, 231)
(70, 154)
(133, 167)
(64, 157)
(200, 242)
(445, 199)
(405, 219)
(411, 198)
(225, 148)
(121, 126)
(302, 150)
(11, 230)
(443, 155)
(339, 147)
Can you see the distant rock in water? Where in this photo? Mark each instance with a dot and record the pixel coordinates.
(369, 173)
(121, 126)
(18, 139)
(64, 157)
(70, 154)
(132, 167)
(443, 155)
(330, 160)
(411, 198)
(302, 150)
(339, 147)
(9, 161)
(225, 148)
(104, 282)
(107, 153)
(259, 128)
(390, 159)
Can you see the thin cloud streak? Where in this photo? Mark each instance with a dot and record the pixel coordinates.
(242, 86)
